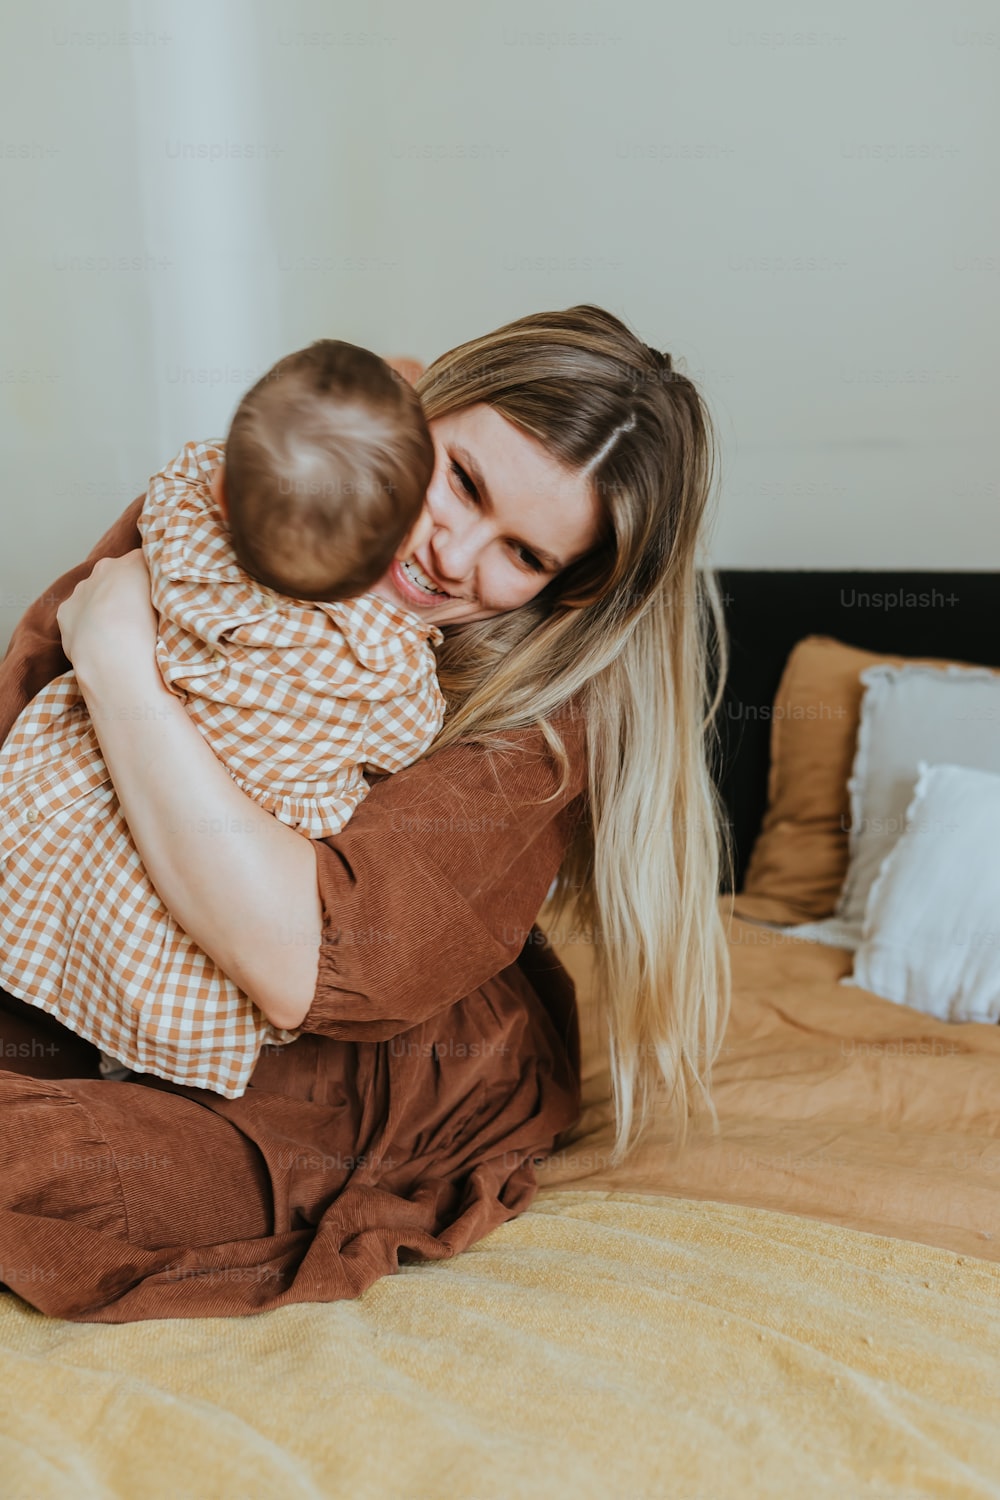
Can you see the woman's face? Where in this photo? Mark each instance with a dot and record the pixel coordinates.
(501, 520)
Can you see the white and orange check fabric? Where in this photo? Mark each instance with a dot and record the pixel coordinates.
(293, 696)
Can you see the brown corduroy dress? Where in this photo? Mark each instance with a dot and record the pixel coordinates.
(439, 1058)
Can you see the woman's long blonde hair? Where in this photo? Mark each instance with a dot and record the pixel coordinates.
(635, 627)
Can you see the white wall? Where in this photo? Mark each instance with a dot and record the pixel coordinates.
(801, 205)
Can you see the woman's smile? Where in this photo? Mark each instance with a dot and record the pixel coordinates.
(410, 588)
(502, 518)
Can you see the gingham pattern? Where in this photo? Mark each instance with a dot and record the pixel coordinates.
(293, 696)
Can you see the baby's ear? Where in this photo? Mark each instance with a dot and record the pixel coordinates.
(217, 485)
(410, 369)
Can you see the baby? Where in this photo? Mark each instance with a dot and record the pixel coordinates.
(262, 552)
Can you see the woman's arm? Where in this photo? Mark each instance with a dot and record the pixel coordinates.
(434, 885)
(240, 883)
(431, 889)
(219, 865)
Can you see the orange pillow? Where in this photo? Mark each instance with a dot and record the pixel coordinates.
(799, 860)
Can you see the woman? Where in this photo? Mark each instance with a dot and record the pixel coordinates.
(438, 1054)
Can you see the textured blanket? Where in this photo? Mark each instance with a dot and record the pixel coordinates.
(602, 1344)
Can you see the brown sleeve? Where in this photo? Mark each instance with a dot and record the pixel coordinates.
(35, 654)
(433, 886)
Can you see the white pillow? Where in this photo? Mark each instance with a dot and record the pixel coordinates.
(931, 934)
(910, 714)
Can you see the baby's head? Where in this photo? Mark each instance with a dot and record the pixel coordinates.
(328, 460)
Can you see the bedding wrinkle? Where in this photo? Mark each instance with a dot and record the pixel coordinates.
(833, 1103)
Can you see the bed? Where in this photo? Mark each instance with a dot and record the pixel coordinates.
(807, 1303)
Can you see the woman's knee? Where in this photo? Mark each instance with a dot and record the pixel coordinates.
(138, 1164)
(54, 1160)
(188, 1175)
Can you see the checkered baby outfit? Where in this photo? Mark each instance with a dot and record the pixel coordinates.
(293, 696)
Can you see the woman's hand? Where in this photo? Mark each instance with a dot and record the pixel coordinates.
(410, 369)
(109, 613)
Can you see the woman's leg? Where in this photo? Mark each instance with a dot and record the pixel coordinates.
(144, 1164)
(140, 1163)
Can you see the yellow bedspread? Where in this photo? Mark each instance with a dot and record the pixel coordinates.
(601, 1345)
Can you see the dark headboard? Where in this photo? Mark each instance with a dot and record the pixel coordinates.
(954, 615)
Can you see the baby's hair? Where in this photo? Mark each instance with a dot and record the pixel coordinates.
(328, 460)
